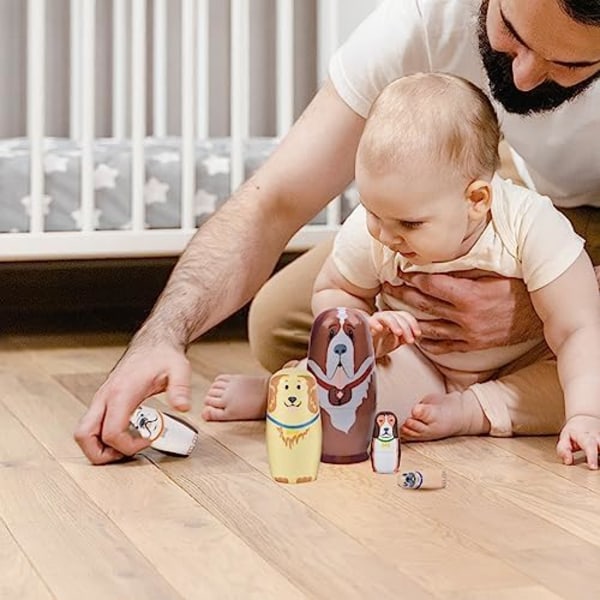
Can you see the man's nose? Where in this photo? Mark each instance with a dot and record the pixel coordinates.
(529, 70)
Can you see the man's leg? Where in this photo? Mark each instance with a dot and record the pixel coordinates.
(586, 222)
(280, 316)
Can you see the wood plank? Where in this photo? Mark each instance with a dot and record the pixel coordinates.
(75, 548)
(541, 452)
(246, 502)
(177, 535)
(83, 353)
(19, 578)
(526, 593)
(491, 523)
(523, 484)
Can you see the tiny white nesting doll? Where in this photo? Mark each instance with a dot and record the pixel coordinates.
(166, 433)
(293, 431)
(385, 445)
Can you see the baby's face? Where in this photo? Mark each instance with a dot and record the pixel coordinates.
(423, 217)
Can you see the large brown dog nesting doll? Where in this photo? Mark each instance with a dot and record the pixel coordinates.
(341, 358)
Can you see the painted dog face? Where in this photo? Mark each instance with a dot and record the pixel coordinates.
(385, 427)
(340, 346)
(292, 396)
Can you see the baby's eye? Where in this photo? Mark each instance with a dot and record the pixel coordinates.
(411, 224)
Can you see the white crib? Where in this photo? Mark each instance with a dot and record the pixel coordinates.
(133, 68)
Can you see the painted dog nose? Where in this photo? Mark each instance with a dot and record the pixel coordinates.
(340, 349)
(292, 399)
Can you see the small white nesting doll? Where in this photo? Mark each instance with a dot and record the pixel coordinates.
(166, 433)
(385, 445)
(293, 431)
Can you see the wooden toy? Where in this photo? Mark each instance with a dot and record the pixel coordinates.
(422, 480)
(341, 358)
(167, 433)
(293, 430)
(385, 444)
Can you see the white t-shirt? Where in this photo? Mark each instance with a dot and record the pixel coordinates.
(526, 238)
(560, 149)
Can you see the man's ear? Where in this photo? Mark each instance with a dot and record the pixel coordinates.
(479, 196)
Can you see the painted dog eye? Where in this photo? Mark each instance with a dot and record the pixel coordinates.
(331, 333)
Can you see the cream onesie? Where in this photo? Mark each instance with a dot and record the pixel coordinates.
(526, 238)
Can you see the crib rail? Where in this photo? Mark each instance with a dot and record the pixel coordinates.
(133, 32)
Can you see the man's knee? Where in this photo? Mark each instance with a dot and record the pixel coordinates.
(277, 333)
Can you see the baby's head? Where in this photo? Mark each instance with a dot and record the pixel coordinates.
(424, 165)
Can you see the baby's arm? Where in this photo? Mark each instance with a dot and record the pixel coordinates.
(332, 289)
(389, 328)
(570, 309)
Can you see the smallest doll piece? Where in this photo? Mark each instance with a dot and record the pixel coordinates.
(385, 444)
(422, 480)
(166, 433)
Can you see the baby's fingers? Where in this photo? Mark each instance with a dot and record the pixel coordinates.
(590, 445)
(564, 448)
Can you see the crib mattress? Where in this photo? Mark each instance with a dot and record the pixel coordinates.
(112, 182)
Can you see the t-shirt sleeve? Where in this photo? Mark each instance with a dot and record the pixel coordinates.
(547, 244)
(388, 44)
(353, 251)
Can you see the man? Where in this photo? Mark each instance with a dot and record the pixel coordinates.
(540, 60)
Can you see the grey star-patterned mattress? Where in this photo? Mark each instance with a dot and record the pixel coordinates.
(112, 182)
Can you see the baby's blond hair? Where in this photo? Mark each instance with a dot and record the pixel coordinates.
(431, 119)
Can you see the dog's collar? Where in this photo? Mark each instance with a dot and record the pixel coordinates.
(351, 385)
(389, 441)
(299, 426)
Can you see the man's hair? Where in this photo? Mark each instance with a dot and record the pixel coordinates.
(582, 11)
(431, 119)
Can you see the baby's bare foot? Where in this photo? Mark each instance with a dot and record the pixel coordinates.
(439, 416)
(236, 398)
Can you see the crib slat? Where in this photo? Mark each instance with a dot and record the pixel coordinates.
(328, 40)
(119, 69)
(36, 40)
(75, 28)
(239, 87)
(88, 114)
(159, 63)
(138, 113)
(188, 132)
(285, 65)
(203, 68)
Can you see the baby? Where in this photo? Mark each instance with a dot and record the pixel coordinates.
(431, 202)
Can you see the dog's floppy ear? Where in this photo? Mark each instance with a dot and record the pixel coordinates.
(313, 399)
(395, 426)
(272, 401)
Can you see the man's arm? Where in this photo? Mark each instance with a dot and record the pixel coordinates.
(223, 266)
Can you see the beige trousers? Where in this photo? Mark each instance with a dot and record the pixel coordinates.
(524, 398)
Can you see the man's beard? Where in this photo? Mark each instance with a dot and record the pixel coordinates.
(546, 96)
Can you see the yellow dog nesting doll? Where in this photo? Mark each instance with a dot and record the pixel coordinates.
(294, 435)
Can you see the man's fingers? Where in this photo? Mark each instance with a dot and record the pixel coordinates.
(178, 387)
(440, 287)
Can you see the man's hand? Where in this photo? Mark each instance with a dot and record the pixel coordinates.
(581, 432)
(392, 328)
(144, 370)
(472, 310)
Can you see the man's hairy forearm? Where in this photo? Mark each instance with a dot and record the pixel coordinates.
(224, 265)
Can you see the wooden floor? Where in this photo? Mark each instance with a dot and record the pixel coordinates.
(512, 523)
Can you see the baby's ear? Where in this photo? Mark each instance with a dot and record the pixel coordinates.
(479, 196)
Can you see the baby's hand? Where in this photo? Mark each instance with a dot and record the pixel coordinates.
(581, 432)
(392, 328)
